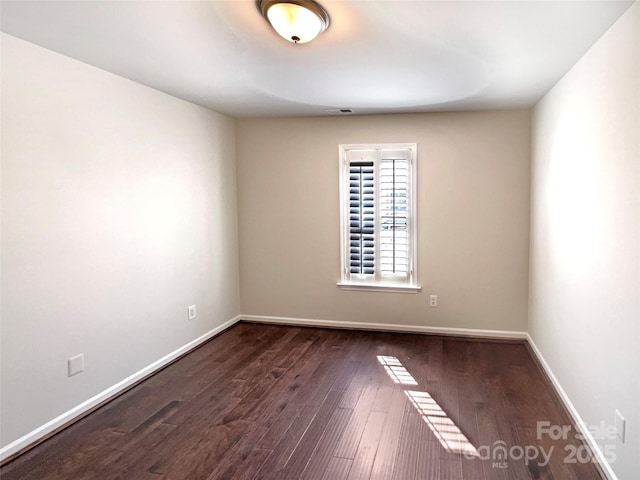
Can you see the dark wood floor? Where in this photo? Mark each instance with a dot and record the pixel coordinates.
(271, 402)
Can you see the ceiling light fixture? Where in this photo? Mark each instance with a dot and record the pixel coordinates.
(298, 21)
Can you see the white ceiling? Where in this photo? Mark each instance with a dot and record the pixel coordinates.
(377, 56)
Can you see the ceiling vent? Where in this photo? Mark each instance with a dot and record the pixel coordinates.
(339, 111)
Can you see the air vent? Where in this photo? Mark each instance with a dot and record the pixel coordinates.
(339, 111)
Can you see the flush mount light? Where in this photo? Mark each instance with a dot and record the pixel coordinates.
(298, 21)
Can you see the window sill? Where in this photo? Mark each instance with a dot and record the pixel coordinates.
(380, 287)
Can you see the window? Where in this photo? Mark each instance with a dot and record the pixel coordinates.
(378, 226)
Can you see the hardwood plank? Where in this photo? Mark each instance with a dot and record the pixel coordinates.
(405, 466)
(360, 379)
(287, 353)
(348, 444)
(390, 436)
(367, 448)
(326, 445)
(382, 400)
(489, 437)
(203, 454)
(338, 469)
(139, 452)
(226, 383)
(288, 385)
(292, 453)
(446, 393)
(301, 454)
(471, 467)
(241, 466)
(451, 469)
(429, 456)
(308, 397)
(81, 461)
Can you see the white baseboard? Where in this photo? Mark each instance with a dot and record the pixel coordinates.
(388, 327)
(40, 432)
(577, 419)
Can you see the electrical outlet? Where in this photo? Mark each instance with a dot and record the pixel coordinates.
(433, 300)
(75, 365)
(620, 424)
(192, 312)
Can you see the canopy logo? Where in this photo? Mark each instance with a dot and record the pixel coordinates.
(499, 452)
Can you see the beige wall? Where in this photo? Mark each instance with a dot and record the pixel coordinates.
(118, 211)
(473, 214)
(584, 313)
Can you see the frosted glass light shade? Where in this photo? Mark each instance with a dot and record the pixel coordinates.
(298, 21)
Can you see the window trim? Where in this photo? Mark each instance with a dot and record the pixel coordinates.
(380, 287)
(410, 285)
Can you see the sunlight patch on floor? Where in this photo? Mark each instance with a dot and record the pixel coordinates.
(396, 370)
(445, 430)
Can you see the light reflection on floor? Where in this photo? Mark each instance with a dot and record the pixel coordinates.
(396, 370)
(444, 429)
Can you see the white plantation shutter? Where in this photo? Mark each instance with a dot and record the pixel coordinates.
(378, 214)
(361, 218)
(394, 239)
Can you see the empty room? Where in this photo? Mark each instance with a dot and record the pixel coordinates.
(320, 239)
